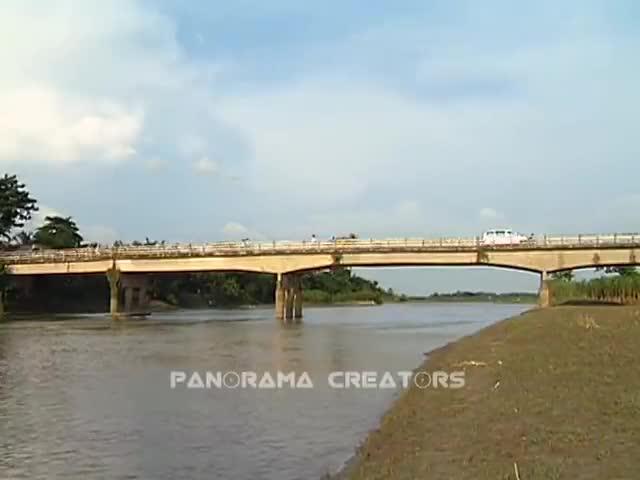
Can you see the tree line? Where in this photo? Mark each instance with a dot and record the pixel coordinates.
(88, 293)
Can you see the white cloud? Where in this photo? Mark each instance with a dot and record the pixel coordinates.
(94, 82)
(234, 229)
(490, 213)
(237, 231)
(90, 233)
(155, 165)
(191, 145)
(90, 82)
(325, 143)
(406, 218)
(205, 166)
(99, 234)
(486, 123)
(40, 123)
(617, 214)
(38, 218)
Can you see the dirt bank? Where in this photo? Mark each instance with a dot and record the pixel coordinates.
(555, 392)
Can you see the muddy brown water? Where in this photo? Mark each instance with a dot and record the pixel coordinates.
(87, 398)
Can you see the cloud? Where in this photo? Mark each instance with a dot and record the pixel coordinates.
(450, 121)
(41, 124)
(155, 165)
(394, 122)
(38, 218)
(490, 213)
(237, 231)
(326, 143)
(234, 229)
(100, 234)
(403, 219)
(190, 145)
(91, 233)
(205, 166)
(99, 90)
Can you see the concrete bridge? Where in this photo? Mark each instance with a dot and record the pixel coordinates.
(127, 268)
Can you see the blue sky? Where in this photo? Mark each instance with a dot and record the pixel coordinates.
(199, 121)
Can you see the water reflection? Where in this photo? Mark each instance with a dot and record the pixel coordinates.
(88, 398)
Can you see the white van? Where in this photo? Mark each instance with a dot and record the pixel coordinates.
(503, 236)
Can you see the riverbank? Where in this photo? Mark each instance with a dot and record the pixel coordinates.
(552, 393)
(479, 297)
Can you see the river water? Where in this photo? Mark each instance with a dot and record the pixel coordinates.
(88, 398)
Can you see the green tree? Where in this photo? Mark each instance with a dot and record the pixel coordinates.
(24, 238)
(622, 271)
(16, 205)
(58, 232)
(566, 275)
(625, 271)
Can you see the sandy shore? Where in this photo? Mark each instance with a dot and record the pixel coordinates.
(554, 393)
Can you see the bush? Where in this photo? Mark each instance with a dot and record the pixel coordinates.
(620, 288)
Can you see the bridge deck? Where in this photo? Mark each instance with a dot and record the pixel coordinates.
(337, 247)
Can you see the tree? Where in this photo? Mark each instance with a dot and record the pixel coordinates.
(16, 205)
(58, 232)
(24, 238)
(622, 271)
(566, 275)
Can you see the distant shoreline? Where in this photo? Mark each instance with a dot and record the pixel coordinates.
(160, 306)
(480, 297)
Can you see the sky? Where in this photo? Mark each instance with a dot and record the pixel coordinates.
(204, 120)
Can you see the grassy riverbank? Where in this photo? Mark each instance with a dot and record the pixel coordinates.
(555, 392)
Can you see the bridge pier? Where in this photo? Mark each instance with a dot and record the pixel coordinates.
(297, 299)
(288, 305)
(280, 297)
(544, 294)
(113, 277)
(128, 293)
(288, 298)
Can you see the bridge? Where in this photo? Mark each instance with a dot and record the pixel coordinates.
(127, 268)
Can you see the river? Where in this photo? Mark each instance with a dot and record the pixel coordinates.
(89, 398)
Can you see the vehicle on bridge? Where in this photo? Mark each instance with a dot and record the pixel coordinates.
(504, 236)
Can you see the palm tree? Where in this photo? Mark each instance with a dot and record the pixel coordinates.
(24, 238)
(58, 232)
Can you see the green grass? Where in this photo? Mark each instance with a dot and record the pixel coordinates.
(618, 289)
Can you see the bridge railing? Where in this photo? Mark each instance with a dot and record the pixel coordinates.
(592, 239)
(320, 246)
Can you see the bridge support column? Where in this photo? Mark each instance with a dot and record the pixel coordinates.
(288, 298)
(297, 299)
(544, 294)
(136, 293)
(280, 297)
(127, 293)
(113, 277)
(128, 298)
